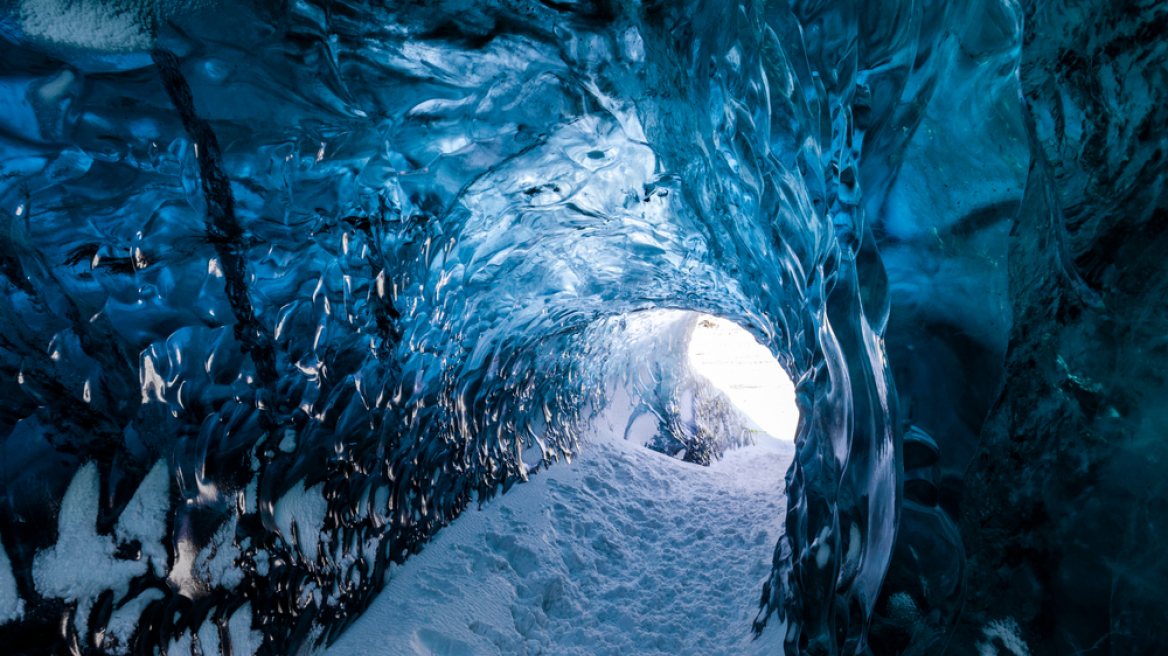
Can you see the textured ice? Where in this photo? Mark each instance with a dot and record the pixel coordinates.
(370, 257)
(286, 287)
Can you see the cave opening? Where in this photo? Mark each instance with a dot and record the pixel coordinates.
(689, 384)
(755, 382)
(671, 505)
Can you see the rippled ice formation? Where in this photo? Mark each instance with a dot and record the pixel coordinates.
(288, 286)
(340, 270)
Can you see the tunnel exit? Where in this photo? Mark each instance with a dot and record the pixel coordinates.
(747, 373)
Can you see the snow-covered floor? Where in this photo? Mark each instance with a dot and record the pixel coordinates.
(623, 551)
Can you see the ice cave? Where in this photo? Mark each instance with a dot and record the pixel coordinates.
(583, 327)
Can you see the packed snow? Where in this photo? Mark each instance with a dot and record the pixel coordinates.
(11, 605)
(100, 25)
(144, 518)
(623, 551)
(82, 566)
(306, 509)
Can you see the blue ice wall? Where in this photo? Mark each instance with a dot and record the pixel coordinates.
(1067, 501)
(1021, 225)
(947, 169)
(288, 286)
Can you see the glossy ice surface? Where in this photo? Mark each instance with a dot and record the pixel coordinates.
(288, 286)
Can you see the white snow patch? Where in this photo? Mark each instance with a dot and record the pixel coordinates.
(103, 25)
(209, 638)
(124, 621)
(215, 564)
(643, 429)
(1008, 632)
(181, 646)
(307, 509)
(903, 611)
(244, 640)
(380, 503)
(11, 605)
(623, 551)
(144, 518)
(81, 566)
(262, 562)
(251, 496)
(288, 444)
(90, 24)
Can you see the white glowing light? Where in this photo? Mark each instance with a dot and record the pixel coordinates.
(747, 373)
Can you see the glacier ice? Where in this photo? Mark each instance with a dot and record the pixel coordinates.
(288, 286)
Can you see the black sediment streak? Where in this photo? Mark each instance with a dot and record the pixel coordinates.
(223, 229)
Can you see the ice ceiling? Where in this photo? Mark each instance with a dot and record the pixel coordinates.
(288, 285)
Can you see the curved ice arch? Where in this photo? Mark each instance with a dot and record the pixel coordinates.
(394, 276)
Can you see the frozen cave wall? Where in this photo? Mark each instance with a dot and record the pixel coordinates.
(287, 286)
(943, 181)
(1021, 223)
(1066, 501)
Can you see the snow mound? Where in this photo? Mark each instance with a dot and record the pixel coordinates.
(82, 565)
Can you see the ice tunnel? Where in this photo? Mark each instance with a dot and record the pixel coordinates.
(289, 286)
